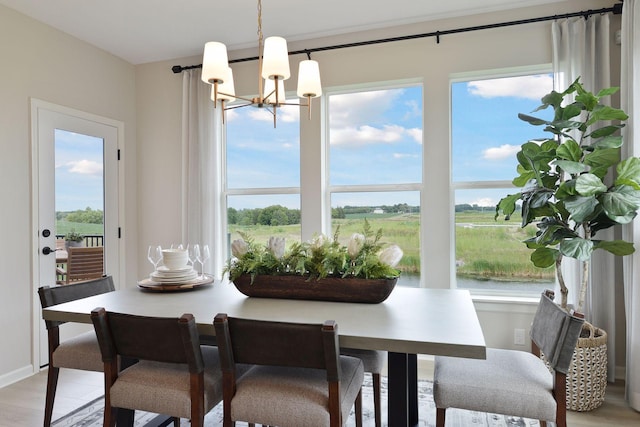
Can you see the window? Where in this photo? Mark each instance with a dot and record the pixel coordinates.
(263, 173)
(486, 134)
(375, 167)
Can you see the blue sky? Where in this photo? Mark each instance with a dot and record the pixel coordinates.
(376, 138)
(79, 170)
(487, 133)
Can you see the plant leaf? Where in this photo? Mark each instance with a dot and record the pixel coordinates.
(589, 185)
(629, 172)
(571, 167)
(621, 203)
(616, 247)
(580, 207)
(544, 257)
(578, 248)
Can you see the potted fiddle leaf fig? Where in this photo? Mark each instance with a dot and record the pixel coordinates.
(574, 184)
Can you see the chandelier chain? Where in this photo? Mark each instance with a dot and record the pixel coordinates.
(260, 37)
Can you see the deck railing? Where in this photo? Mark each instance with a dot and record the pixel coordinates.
(90, 240)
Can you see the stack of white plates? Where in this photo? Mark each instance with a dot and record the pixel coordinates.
(178, 275)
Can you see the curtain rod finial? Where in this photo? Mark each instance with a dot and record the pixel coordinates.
(177, 69)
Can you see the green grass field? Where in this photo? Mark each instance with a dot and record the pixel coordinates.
(485, 248)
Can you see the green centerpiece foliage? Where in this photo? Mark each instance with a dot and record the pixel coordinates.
(363, 257)
(573, 183)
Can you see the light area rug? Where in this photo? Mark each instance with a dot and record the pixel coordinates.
(90, 415)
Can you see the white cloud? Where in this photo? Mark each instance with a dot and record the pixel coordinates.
(362, 107)
(367, 135)
(416, 134)
(404, 156)
(484, 201)
(529, 87)
(85, 167)
(499, 153)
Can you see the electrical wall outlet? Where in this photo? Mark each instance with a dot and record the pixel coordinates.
(518, 336)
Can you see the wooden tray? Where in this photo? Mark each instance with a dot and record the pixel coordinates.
(150, 285)
(371, 291)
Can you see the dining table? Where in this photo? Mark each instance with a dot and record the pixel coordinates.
(409, 322)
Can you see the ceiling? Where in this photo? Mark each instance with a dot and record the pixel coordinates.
(141, 31)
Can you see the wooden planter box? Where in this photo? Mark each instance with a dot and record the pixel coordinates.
(370, 291)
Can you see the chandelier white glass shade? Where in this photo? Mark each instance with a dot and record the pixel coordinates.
(273, 67)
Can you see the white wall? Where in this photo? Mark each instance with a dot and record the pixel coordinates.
(40, 62)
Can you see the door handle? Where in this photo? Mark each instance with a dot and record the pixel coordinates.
(47, 250)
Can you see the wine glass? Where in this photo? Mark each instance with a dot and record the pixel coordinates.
(154, 255)
(194, 254)
(205, 254)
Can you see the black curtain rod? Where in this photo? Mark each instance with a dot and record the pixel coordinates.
(616, 10)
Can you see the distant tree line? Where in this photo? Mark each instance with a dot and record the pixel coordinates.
(271, 215)
(87, 216)
(280, 215)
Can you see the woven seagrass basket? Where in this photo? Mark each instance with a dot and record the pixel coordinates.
(587, 376)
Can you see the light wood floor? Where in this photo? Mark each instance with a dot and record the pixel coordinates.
(22, 403)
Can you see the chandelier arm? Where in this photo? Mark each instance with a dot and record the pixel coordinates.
(235, 96)
(233, 107)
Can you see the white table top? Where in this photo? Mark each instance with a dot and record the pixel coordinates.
(411, 320)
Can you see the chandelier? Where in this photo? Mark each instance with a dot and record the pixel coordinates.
(273, 70)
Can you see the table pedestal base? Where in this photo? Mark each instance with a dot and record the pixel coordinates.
(403, 389)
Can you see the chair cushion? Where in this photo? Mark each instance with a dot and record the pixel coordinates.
(80, 352)
(373, 360)
(163, 388)
(295, 397)
(508, 382)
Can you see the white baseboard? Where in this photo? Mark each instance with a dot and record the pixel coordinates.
(15, 376)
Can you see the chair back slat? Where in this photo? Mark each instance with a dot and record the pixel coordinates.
(160, 339)
(279, 344)
(84, 263)
(53, 295)
(555, 331)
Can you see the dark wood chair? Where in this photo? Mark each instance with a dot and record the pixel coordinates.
(174, 375)
(514, 382)
(298, 378)
(81, 352)
(84, 263)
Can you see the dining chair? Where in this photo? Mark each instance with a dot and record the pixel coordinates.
(81, 352)
(84, 263)
(374, 362)
(514, 382)
(298, 379)
(174, 375)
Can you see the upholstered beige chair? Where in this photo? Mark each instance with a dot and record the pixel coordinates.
(81, 352)
(298, 378)
(514, 382)
(374, 362)
(174, 375)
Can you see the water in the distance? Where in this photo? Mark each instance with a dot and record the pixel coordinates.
(413, 281)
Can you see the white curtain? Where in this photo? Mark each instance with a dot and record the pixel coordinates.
(581, 49)
(201, 178)
(629, 97)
